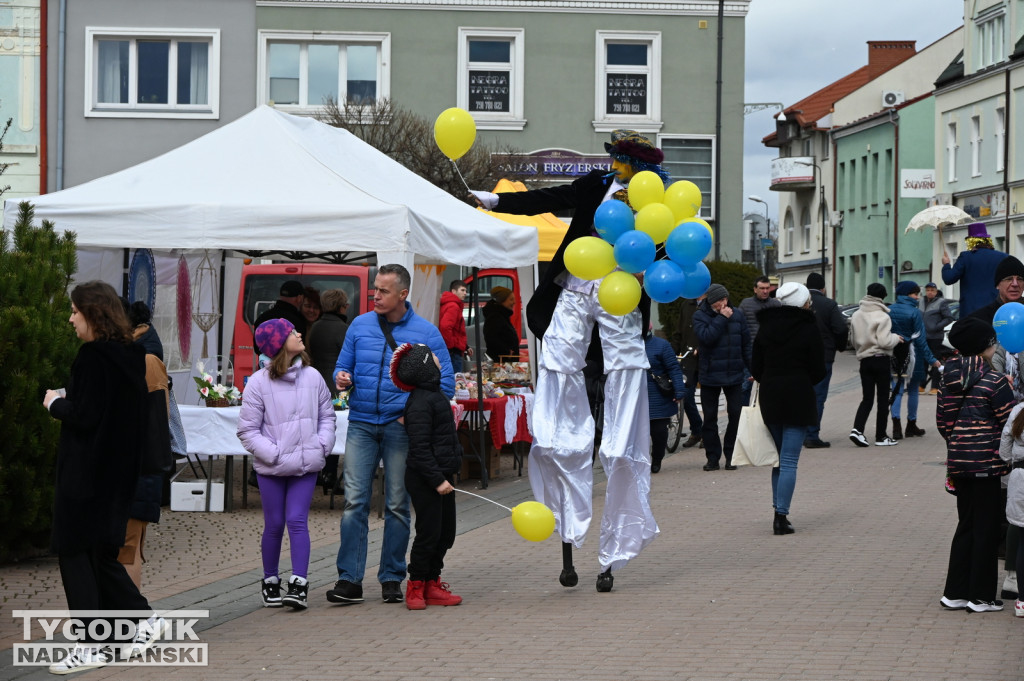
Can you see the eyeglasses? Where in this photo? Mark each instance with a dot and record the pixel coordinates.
(1012, 280)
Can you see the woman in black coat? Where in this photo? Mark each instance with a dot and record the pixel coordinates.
(500, 335)
(103, 421)
(788, 360)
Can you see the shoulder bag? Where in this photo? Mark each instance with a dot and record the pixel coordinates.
(754, 443)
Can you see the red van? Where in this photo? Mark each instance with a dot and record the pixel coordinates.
(261, 285)
(486, 280)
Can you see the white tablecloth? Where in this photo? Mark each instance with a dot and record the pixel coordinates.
(210, 431)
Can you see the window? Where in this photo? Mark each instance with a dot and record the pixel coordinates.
(152, 73)
(491, 75)
(805, 220)
(975, 146)
(299, 71)
(951, 147)
(1000, 139)
(875, 179)
(789, 232)
(628, 81)
(990, 37)
(692, 158)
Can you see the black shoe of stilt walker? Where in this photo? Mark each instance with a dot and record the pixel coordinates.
(604, 581)
(568, 578)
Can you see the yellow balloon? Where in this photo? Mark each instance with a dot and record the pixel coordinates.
(454, 132)
(645, 187)
(656, 220)
(619, 293)
(684, 198)
(589, 257)
(533, 520)
(705, 225)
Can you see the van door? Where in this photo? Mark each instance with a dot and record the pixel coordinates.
(485, 281)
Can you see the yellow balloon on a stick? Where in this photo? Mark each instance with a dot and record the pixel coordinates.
(645, 187)
(454, 132)
(684, 198)
(589, 257)
(533, 520)
(619, 293)
(656, 220)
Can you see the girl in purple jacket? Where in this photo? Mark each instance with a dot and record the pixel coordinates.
(287, 422)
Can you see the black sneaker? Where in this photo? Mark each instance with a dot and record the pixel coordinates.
(345, 592)
(296, 596)
(816, 444)
(271, 594)
(391, 592)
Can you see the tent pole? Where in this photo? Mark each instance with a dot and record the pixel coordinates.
(481, 453)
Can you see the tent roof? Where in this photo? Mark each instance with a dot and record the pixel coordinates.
(550, 230)
(275, 182)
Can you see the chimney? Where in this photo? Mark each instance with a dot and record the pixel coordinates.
(885, 54)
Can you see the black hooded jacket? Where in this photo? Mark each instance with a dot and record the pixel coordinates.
(499, 334)
(788, 360)
(434, 450)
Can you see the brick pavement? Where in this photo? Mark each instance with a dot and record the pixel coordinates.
(852, 595)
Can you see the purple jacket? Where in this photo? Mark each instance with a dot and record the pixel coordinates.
(287, 423)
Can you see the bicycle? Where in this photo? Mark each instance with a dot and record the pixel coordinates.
(675, 424)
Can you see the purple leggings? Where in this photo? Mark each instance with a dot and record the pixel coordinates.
(286, 500)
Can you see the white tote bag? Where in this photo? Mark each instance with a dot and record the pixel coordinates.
(754, 443)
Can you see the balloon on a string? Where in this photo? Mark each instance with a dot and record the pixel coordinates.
(1009, 325)
(619, 293)
(589, 257)
(684, 198)
(646, 187)
(664, 281)
(689, 242)
(533, 520)
(657, 220)
(612, 219)
(634, 251)
(454, 132)
(697, 278)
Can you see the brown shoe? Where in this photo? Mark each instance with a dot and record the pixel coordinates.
(694, 439)
(933, 391)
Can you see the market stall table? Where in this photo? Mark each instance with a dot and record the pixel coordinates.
(507, 418)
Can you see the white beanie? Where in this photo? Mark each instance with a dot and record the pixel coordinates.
(793, 294)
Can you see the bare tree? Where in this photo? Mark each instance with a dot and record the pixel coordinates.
(409, 139)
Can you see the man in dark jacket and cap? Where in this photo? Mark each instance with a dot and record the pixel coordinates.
(832, 327)
(288, 306)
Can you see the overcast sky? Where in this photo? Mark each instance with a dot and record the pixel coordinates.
(796, 47)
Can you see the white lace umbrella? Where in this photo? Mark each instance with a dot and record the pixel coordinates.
(938, 217)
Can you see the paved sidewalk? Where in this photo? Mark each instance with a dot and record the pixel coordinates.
(852, 595)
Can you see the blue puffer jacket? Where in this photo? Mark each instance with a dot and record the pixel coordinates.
(367, 357)
(724, 346)
(663, 363)
(906, 321)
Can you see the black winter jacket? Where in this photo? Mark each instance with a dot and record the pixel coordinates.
(499, 334)
(434, 450)
(831, 324)
(788, 360)
(724, 346)
(324, 342)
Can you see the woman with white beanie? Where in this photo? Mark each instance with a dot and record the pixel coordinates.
(788, 360)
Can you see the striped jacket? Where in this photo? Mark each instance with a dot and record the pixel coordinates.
(974, 402)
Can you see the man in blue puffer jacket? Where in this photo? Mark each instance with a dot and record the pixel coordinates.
(375, 434)
(724, 352)
(908, 322)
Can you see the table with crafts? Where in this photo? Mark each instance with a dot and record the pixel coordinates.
(506, 418)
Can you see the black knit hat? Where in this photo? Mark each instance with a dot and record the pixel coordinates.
(877, 290)
(1008, 267)
(815, 281)
(972, 336)
(413, 366)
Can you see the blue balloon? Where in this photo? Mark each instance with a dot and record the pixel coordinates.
(634, 251)
(613, 219)
(698, 278)
(664, 281)
(689, 243)
(1009, 325)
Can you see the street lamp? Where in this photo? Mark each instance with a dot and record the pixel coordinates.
(767, 229)
(821, 207)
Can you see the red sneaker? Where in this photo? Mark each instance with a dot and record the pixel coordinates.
(438, 593)
(414, 595)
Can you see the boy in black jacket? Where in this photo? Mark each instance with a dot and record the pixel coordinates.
(434, 456)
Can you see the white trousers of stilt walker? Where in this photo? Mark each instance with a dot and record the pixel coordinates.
(561, 470)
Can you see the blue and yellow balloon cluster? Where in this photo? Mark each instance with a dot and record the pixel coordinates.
(628, 245)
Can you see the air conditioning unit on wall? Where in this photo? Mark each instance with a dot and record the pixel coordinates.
(892, 97)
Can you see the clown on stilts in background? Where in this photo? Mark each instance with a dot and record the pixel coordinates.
(565, 312)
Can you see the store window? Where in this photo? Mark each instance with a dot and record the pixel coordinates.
(628, 81)
(490, 77)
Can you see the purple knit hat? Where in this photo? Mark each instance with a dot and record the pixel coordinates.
(272, 334)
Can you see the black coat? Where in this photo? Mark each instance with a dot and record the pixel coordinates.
(499, 334)
(724, 345)
(434, 450)
(324, 345)
(788, 360)
(831, 324)
(584, 196)
(281, 310)
(103, 422)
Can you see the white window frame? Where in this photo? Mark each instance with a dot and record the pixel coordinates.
(990, 32)
(708, 211)
(805, 242)
(515, 117)
(975, 145)
(651, 121)
(789, 230)
(132, 109)
(264, 38)
(951, 148)
(999, 135)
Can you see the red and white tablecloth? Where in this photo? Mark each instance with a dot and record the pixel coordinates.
(508, 417)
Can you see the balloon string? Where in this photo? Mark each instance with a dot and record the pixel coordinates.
(459, 173)
(484, 498)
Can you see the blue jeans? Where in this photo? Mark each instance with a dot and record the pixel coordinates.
(821, 393)
(912, 398)
(788, 441)
(456, 356)
(365, 447)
